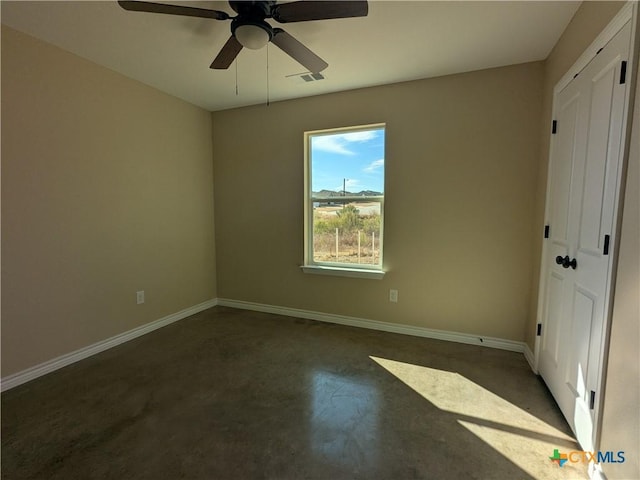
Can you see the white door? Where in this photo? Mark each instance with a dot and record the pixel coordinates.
(586, 155)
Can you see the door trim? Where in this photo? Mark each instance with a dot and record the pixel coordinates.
(629, 12)
(626, 13)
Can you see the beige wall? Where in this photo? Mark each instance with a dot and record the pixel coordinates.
(106, 190)
(461, 163)
(621, 418)
(587, 23)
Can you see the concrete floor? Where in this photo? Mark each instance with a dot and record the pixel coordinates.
(231, 394)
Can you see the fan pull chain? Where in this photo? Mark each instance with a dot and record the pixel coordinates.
(267, 74)
(236, 62)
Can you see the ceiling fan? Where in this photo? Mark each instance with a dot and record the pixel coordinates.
(249, 28)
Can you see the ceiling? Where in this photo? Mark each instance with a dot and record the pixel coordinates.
(398, 41)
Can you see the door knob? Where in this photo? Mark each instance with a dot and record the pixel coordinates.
(567, 262)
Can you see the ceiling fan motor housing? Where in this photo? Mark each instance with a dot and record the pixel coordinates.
(254, 9)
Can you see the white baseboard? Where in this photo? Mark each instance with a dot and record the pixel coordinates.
(500, 343)
(528, 354)
(32, 373)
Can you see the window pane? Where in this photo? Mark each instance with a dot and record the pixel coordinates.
(345, 191)
(348, 163)
(347, 232)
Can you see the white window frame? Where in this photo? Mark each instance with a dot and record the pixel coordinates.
(335, 268)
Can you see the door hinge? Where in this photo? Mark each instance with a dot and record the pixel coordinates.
(546, 231)
(623, 72)
(592, 400)
(554, 127)
(539, 331)
(605, 249)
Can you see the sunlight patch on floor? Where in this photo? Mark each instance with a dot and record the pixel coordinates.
(513, 432)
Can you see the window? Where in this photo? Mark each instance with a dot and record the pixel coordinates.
(344, 201)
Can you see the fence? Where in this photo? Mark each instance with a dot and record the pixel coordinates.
(347, 247)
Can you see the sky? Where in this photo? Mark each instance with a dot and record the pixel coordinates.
(355, 156)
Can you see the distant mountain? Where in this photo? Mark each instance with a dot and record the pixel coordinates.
(331, 193)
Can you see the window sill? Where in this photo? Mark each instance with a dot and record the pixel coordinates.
(343, 272)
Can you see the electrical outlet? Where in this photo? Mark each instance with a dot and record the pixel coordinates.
(393, 296)
(140, 297)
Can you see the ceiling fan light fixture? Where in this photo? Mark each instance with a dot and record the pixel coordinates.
(253, 36)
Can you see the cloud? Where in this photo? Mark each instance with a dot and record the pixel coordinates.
(331, 144)
(373, 166)
(338, 143)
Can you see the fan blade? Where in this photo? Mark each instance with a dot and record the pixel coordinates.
(227, 55)
(298, 51)
(303, 11)
(173, 10)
